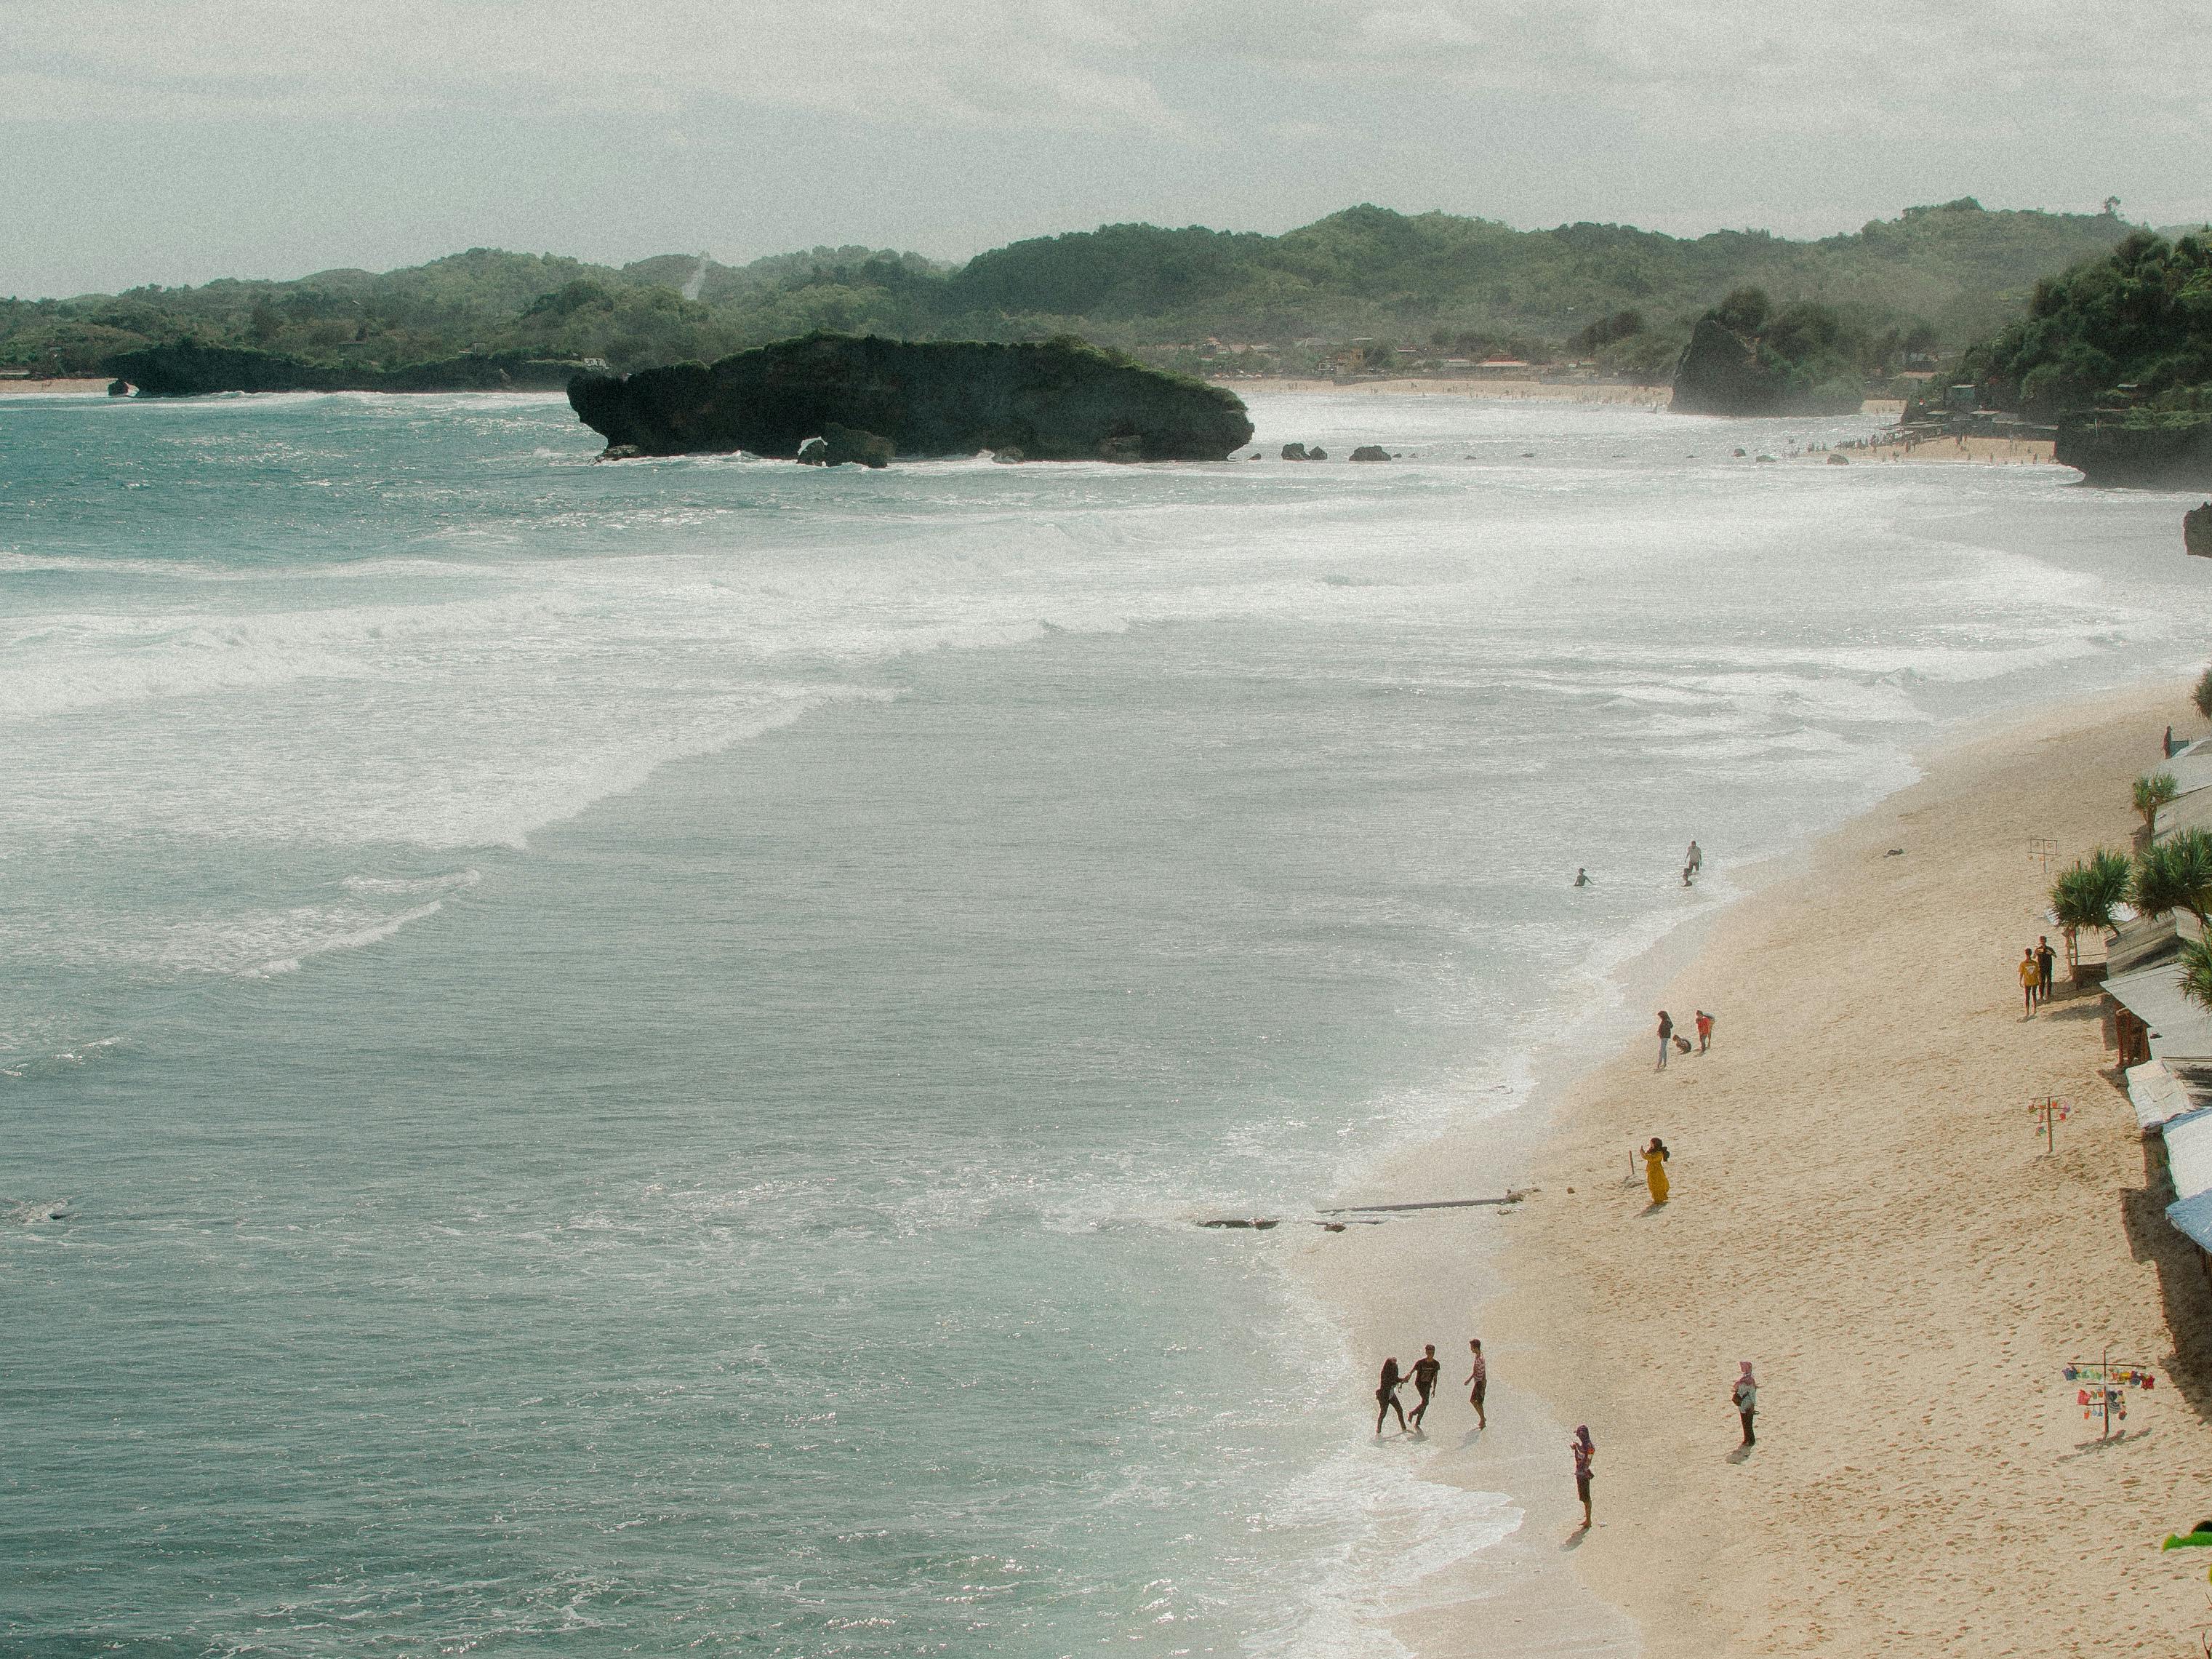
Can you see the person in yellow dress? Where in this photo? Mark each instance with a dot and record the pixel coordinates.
(2030, 979)
(1655, 1170)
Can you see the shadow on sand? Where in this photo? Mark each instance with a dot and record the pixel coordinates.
(2182, 1286)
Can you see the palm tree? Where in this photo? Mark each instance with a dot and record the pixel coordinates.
(2086, 895)
(2202, 696)
(2176, 874)
(2197, 971)
(2152, 790)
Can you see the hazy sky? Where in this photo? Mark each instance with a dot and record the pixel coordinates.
(171, 141)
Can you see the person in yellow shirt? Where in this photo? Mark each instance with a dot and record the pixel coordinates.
(1655, 1170)
(2030, 980)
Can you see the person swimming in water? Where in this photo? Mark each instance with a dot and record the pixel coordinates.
(1581, 876)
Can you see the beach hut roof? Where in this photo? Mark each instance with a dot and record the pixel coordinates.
(2189, 1153)
(2162, 1089)
(2192, 810)
(2177, 1025)
(2192, 1217)
(2139, 943)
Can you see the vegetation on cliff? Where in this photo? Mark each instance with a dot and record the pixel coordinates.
(1057, 399)
(2140, 318)
(1367, 287)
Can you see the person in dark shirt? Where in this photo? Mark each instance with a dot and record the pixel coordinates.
(1424, 1381)
(2045, 956)
(1666, 1038)
(1386, 1395)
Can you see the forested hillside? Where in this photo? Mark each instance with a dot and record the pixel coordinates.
(2140, 318)
(1367, 286)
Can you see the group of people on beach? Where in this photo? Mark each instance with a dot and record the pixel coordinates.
(1668, 1040)
(1423, 1377)
(1692, 862)
(2035, 962)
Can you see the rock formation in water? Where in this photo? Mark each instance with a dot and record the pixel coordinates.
(1053, 400)
(1371, 453)
(2196, 530)
(843, 445)
(1744, 358)
(2148, 450)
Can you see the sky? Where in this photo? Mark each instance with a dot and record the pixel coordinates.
(173, 141)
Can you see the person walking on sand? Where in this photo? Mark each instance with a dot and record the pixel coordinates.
(1666, 1039)
(1425, 1382)
(2030, 977)
(1655, 1170)
(1387, 1395)
(1746, 1396)
(2044, 957)
(1704, 1030)
(1478, 1382)
(1585, 1451)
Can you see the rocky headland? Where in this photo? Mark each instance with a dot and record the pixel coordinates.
(187, 368)
(1051, 400)
(2149, 451)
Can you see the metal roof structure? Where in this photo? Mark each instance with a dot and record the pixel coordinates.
(2179, 1028)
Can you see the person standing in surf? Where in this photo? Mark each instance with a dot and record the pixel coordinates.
(1425, 1382)
(1386, 1395)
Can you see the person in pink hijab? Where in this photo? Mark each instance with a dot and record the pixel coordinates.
(1746, 1396)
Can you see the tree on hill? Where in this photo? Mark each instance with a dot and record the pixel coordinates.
(2141, 316)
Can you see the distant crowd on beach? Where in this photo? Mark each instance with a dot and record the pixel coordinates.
(1743, 1394)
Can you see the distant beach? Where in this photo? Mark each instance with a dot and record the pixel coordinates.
(1566, 391)
(66, 386)
(1862, 1207)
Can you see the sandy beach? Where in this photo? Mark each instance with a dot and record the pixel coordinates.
(1422, 385)
(1863, 1207)
(70, 387)
(1985, 451)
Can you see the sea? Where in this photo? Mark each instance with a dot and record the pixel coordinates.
(604, 1059)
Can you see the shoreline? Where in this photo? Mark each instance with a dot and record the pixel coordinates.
(1920, 1477)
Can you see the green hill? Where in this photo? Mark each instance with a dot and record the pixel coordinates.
(1367, 284)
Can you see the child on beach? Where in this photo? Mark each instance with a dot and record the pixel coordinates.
(1666, 1039)
(1585, 1451)
(2031, 976)
(1478, 1381)
(1386, 1395)
(1704, 1030)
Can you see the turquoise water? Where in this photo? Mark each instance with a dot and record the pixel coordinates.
(621, 1058)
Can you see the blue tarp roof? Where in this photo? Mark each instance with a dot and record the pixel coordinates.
(2193, 1217)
